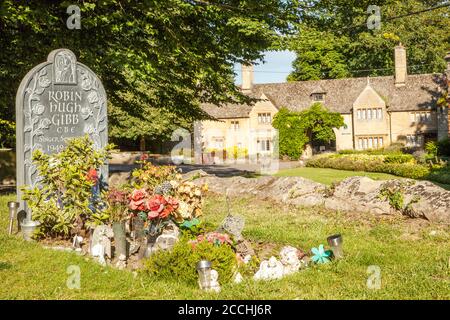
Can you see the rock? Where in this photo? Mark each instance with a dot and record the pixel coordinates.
(361, 194)
(289, 259)
(121, 262)
(195, 174)
(270, 269)
(238, 278)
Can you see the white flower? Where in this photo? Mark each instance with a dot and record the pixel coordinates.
(38, 109)
(44, 82)
(86, 84)
(92, 97)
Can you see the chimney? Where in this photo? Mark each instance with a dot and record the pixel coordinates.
(400, 65)
(247, 77)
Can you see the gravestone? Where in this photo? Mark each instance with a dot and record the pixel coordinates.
(58, 99)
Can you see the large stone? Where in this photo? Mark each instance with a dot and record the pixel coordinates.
(420, 198)
(58, 99)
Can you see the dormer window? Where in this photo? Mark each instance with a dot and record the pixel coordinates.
(318, 96)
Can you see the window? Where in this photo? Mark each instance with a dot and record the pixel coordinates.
(413, 140)
(379, 113)
(218, 142)
(235, 125)
(263, 145)
(364, 113)
(370, 142)
(264, 118)
(369, 114)
(358, 114)
(420, 117)
(318, 96)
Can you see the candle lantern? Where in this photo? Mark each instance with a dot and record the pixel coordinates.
(12, 206)
(204, 274)
(335, 242)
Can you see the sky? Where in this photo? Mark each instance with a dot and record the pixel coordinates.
(277, 67)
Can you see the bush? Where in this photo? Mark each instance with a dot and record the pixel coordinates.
(70, 190)
(7, 134)
(432, 148)
(181, 261)
(370, 163)
(443, 147)
(398, 158)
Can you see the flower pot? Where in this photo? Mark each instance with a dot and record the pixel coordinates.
(28, 227)
(119, 238)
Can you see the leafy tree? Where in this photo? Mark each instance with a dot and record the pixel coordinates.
(319, 123)
(158, 60)
(291, 133)
(296, 129)
(348, 46)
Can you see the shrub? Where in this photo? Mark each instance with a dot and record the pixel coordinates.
(398, 158)
(69, 192)
(7, 134)
(181, 261)
(443, 147)
(235, 152)
(432, 148)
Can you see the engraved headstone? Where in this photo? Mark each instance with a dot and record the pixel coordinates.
(58, 99)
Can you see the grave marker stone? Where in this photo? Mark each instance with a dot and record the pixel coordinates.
(58, 99)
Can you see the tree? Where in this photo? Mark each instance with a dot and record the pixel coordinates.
(348, 46)
(296, 129)
(158, 60)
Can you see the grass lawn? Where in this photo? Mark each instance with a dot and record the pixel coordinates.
(413, 263)
(328, 176)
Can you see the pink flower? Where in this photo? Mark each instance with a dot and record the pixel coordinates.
(155, 206)
(137, 198)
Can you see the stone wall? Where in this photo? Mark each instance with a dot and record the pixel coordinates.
(419, 198)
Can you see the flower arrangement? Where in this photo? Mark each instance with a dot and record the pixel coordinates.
(160, 195)
(117, 201)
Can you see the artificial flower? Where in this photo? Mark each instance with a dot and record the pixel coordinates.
(320, 255)
(137, 198)
(92, 175)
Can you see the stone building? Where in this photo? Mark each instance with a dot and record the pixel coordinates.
(377, 111)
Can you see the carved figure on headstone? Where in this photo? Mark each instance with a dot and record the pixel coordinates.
(289, 259)
(65, 68)
(269, 269)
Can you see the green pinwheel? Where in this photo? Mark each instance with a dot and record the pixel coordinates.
(320, 255)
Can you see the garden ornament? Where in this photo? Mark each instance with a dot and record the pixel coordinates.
(101, 243)
(269, 269)
(320, 255)
(289, 259)
(214, 283)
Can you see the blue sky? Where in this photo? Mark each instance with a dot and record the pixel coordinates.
(277, 67)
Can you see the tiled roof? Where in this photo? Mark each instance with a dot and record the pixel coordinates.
(419, 93)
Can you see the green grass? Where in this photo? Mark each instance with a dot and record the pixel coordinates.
(328, 176)
(414, 264)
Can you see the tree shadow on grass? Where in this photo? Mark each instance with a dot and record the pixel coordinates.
(5, 265)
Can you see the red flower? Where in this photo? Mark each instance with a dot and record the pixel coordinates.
(137, 198)
(171, 206)
(92, 175)
(155, 206)
(144, 157)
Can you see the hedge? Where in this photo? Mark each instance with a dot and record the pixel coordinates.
(402, 166)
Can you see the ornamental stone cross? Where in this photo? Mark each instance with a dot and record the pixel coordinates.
(58, 99)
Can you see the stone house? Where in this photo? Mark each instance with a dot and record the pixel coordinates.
(377, 111)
